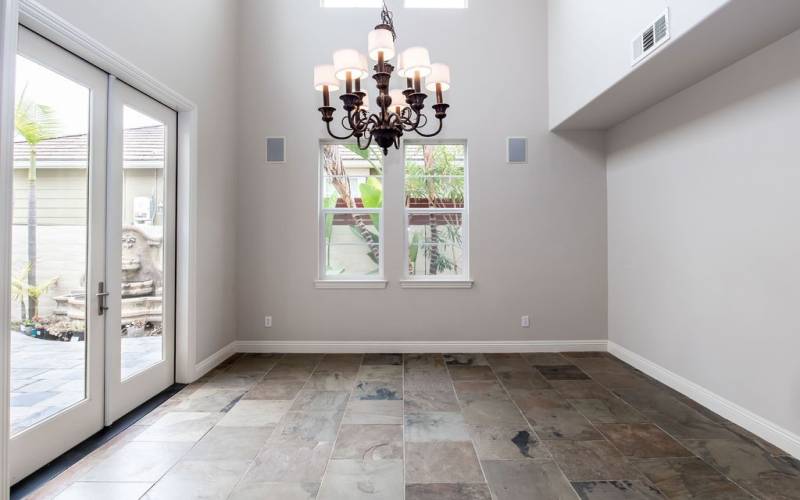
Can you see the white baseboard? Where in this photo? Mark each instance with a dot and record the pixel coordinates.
(758, 425)
(419, 346)
(214, 360)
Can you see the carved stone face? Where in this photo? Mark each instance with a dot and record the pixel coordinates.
(128, 240)
(137, 261)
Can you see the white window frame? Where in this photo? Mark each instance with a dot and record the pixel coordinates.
(405, 5)
(463, 280)
(352, 281)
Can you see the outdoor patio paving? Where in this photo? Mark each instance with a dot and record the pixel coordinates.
(48, 376)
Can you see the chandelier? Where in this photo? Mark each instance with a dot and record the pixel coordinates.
(399, 110)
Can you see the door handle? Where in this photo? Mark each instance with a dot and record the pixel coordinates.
(101, 298)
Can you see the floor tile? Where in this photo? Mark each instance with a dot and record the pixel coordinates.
(308, 426)
(380, 372)
(423, 360)
(278, 491)
(190, 480)
(642, 441)
(320, 400)
(689, 478)
(607, 411)
(507, 362)
(553, 418)
(427, 380)
(238, 381)
(561, 372)
(506, 442)
(255, 413)
(382, 359)
(369, 442)
(545, 358)
(467, 359)
(437, 400)
(179, 426)
(290, 372)
(363, 479)
(590, 460)
(523, 379)
(230, 443)
(751, 467)
(526, 480)
(435, 427)
(447, 491)
(378, 390)
(210, 400)
(373, 412)
(492, 413)
(274, 390)
(104, 491)
(471, 373)
(475, 390)
(331, 380)
(442, 462)
(138, 462)
(616, 490)
(673, 416)
(290, 462)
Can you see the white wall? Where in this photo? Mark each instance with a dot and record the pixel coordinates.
(590, 43)
(703, 218)
(537, 231)
(189, 45)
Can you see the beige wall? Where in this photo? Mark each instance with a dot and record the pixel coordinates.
(189, 46)
(703, 233)
(537, 231)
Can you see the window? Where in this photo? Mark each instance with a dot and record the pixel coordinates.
(436, 4)
(436, 211)
(351, 213)
(352, 3)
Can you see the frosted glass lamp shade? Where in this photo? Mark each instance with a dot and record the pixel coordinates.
(364, 66)
(381, 40)
(440, 73)
(401, 68)
(347, 60)
(324, 74)
(398, 99)
(417, 59)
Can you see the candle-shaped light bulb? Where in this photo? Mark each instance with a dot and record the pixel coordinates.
(417, 82)
(326, 96)
(349, 82)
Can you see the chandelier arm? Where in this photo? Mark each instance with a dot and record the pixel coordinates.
(330, 132)
(439, 129)
(345, 123)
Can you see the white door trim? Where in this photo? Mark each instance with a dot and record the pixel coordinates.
(8, 54)
(39, 19)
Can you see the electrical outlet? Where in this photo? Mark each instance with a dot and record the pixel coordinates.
(525, 322)
(267, 321)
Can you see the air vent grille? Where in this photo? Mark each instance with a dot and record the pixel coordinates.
(653, 35)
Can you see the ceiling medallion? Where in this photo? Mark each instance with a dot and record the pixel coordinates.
(398, 110)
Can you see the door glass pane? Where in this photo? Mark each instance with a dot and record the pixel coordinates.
(49, 245)
(142, 263)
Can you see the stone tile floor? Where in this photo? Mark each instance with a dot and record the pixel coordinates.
(430, 426)
(48, 376)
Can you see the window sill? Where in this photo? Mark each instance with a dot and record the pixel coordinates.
(350, 284)
(436, 284)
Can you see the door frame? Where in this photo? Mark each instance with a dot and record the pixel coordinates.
(42, 21)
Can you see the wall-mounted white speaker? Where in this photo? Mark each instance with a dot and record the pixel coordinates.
(517, 150)
(276, 150)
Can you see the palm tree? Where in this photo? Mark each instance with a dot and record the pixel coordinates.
(35, 123)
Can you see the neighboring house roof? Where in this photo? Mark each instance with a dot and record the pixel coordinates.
(143, 148)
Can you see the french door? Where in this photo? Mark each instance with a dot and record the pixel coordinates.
(92, 330)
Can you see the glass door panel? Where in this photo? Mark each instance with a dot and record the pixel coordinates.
(141, 252)
(57, 338)
(142, 291)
